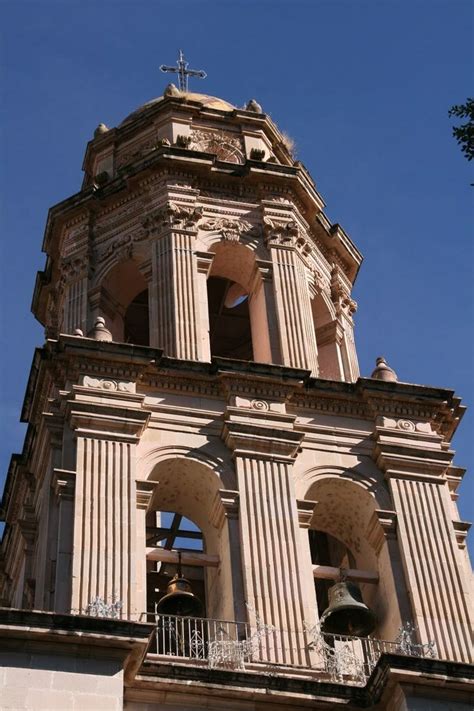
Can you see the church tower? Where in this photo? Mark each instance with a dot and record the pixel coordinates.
(197, 412)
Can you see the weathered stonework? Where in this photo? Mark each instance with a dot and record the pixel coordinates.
(264, 453)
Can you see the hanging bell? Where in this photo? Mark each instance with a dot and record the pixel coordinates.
(347, 614)
(179, 599)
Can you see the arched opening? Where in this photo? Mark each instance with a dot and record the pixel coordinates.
(171, 532)
(230, 331)
(136, 321)
(237, 309)
(330, 364)
(123, 299)
(339, 540)
(186, 514)
(327, 550)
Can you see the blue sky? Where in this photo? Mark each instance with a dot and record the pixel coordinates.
(362, 86)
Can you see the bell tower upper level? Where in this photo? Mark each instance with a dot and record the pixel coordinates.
(196, 231)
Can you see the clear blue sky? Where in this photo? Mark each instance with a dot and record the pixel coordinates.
(362, 86)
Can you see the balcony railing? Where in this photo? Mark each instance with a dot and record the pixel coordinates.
(233, 645)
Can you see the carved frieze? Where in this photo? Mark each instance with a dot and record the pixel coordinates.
(231, 229)
(224, 144)
(110, 385)
(172, 215)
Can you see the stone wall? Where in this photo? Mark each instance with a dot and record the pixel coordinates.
(59, 681)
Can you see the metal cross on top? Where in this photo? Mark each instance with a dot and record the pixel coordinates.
(183, 72)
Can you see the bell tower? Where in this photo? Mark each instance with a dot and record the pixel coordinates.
(198, 429)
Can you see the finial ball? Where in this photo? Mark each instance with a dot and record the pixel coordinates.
(383, 371)
(254, 106)
(171, 90)
(101, 129)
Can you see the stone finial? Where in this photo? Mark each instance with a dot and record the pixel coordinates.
(78, 332)
(383, 371)
(171, 90)
(101, 128)
(254, 106)
(100, 332)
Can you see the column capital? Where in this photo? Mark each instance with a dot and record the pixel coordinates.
(144, 494)
(382, 526)
(225, 506)
(63, 483)
(172, 217)
(305, 510)
(261, 434)
(117, 415)
(204, 262)
(404, 451)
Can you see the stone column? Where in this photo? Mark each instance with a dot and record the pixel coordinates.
(344, 340)
(275, 587)
(108, 426)
(415, 464)
(174, 290)
(144, 493)
(263, 319)
(292, 297)
(64, 486)
(204, 263)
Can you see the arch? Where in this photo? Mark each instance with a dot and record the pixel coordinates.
(235, 265)
(188, 483)
(149, 459)
(364, 474)
(324, 314)
(123, 297)
(346, 511)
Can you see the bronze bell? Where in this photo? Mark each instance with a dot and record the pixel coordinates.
(179, 599)
(347, 614)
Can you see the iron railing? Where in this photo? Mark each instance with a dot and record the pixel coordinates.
(239, 646)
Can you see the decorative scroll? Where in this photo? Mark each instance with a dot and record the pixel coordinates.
(111, 385)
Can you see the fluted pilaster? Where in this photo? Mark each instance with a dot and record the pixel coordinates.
(105, 526)
(75, 306)
(415, 465)
(264, 445)
(174, 293)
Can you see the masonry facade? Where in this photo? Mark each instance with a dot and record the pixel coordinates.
(200, 364)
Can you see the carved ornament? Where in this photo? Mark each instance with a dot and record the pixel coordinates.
(224, 144)
(260, 405)
(406, 425)
(231, 229)
(279, 231)
(110, 385)
(340, 293)
(172, 215)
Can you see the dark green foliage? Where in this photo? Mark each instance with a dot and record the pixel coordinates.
(464, 134)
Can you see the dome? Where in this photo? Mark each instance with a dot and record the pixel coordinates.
(212, 102)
